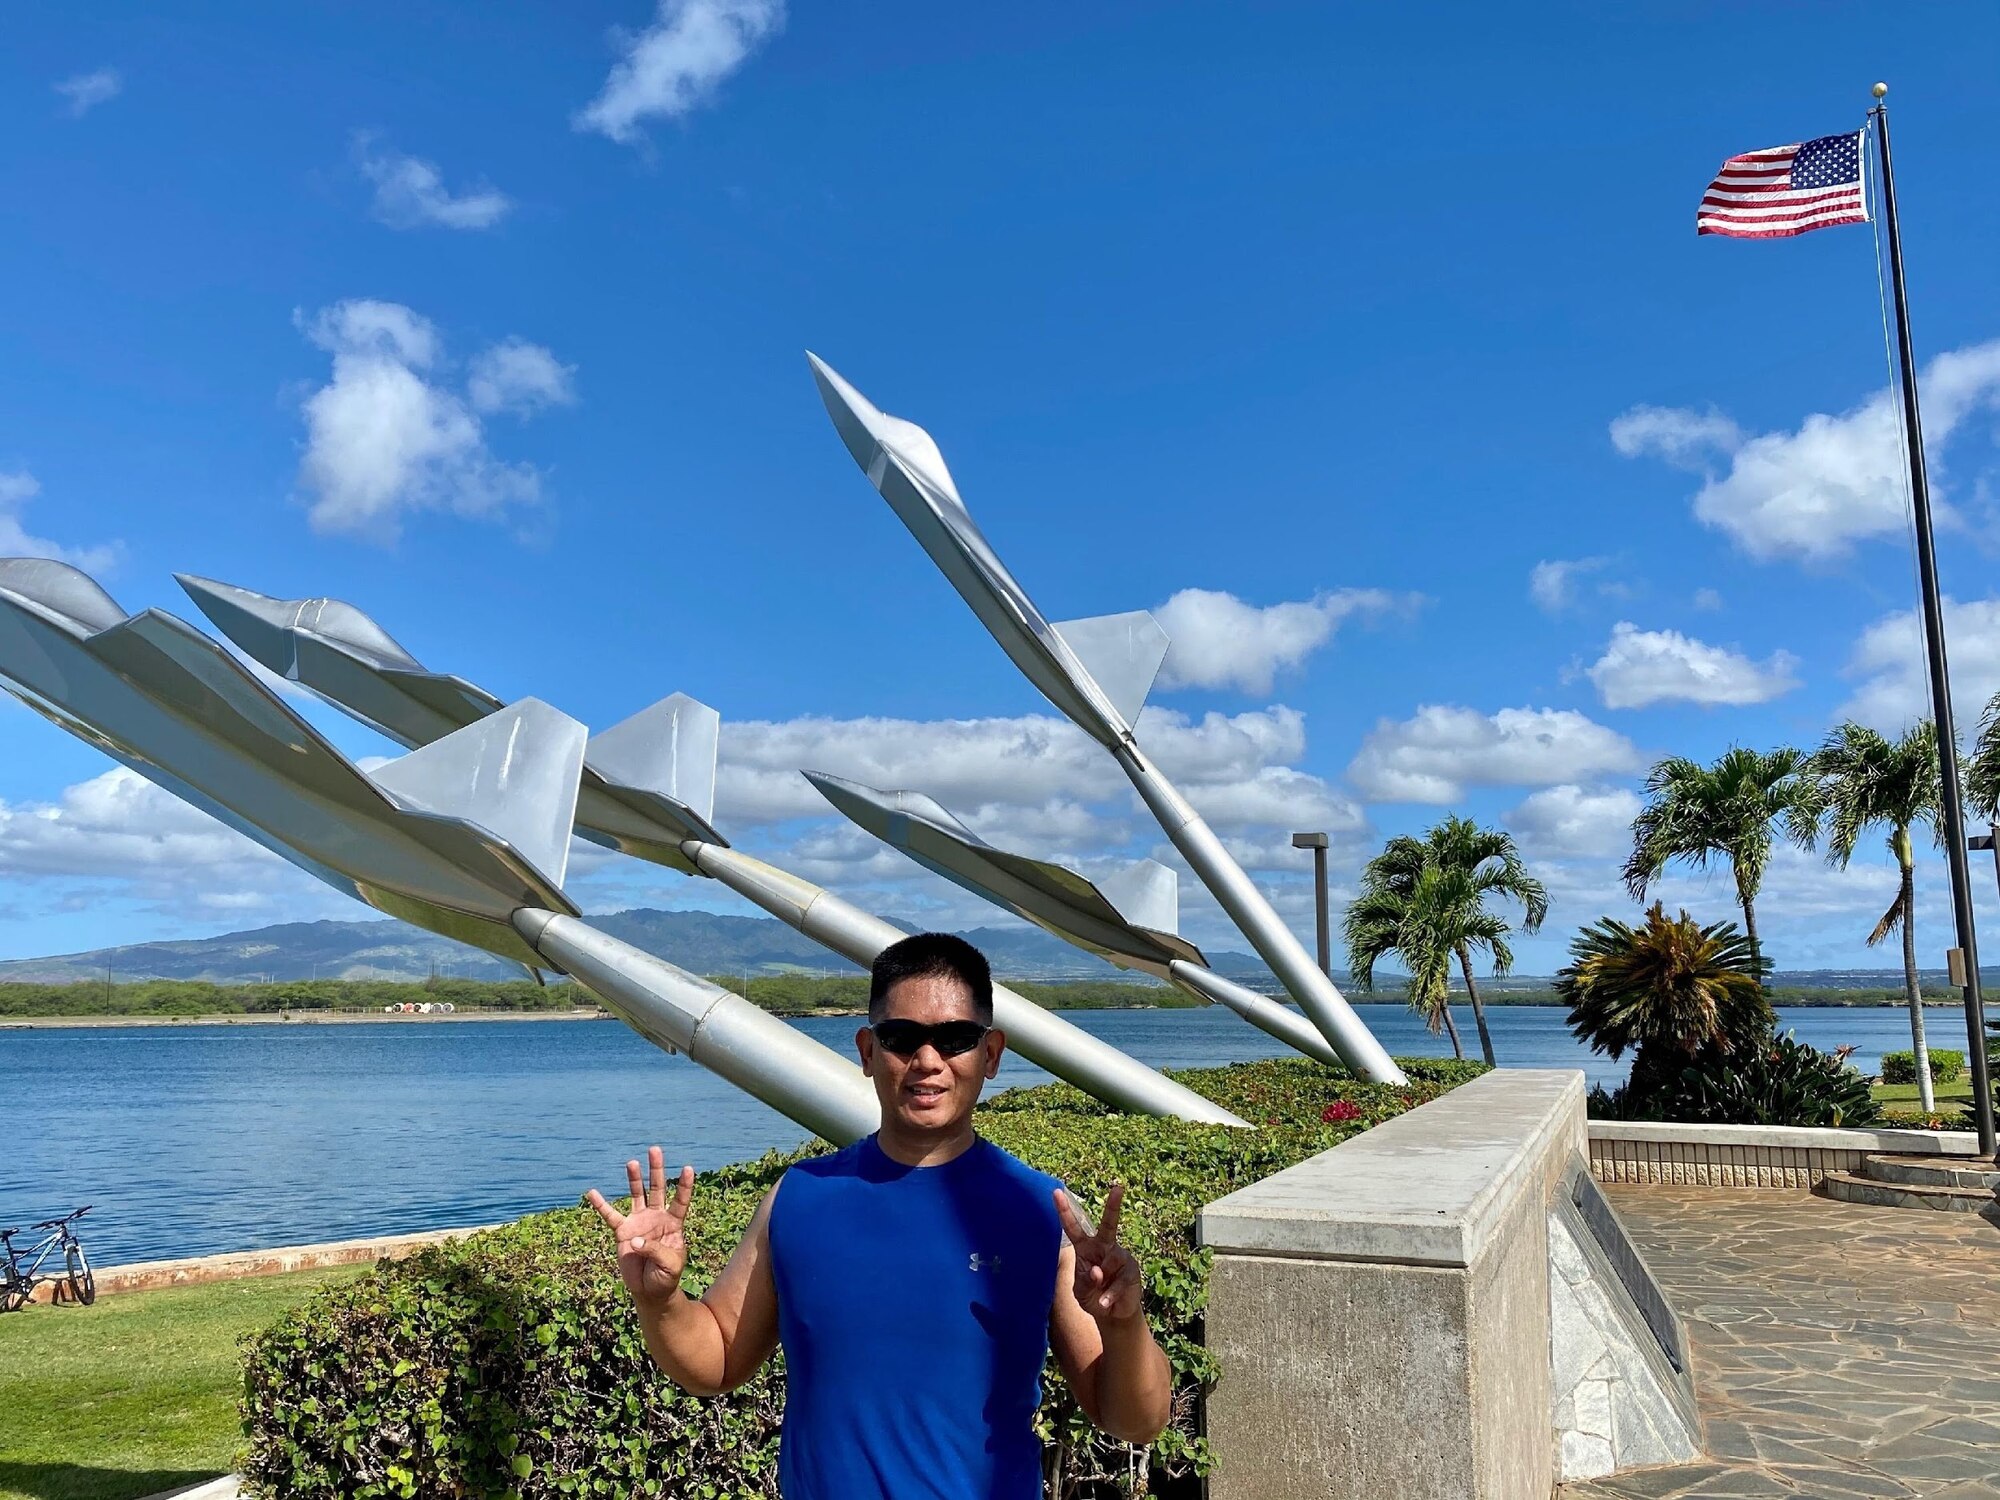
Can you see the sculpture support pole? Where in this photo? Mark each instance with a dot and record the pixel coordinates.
(1042, 1037)
(804, 1081)
(1261, 1011)
(1247, 907)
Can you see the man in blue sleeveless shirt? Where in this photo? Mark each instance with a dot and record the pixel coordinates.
(916, 1279)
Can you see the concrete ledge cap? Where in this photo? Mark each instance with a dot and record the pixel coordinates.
(1425, 1188)
(1790, 1137)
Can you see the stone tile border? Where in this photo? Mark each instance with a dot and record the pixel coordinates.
(151, 1275)
(227, 1487)
(1752, 1156)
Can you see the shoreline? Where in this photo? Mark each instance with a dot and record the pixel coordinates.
(405, 1019)
(294, 1018)
(367, 1018)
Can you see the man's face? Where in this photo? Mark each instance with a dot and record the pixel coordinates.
(926, 1093)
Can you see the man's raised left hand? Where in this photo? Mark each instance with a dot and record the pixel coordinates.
(1107, 1274)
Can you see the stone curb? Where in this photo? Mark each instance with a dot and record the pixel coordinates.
(228, 1487)
(1791, 1137)
(152, 1275)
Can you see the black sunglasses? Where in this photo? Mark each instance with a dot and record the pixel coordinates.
(907, 1038)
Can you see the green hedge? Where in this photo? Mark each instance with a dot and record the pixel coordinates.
(1777, 1080)
(1947, 1117)
(1947, 1066)
(510, 1364)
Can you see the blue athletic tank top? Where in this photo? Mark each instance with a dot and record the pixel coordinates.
(913, 1306)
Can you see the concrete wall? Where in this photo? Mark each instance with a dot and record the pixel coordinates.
(1753, 1156)
(1381, 1312)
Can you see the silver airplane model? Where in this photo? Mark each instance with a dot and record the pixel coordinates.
(648, 790)
(1131, 919)
(467, 836)
(1098, 672)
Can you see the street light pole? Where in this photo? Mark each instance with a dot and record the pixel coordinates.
(1317, 843)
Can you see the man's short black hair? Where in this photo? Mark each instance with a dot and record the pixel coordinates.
(932, 955)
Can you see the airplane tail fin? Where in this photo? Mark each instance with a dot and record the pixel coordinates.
(1146, 894)
(514, 774)
(668, 749)
(1123, 652)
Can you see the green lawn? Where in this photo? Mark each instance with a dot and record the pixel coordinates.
(134, 1395)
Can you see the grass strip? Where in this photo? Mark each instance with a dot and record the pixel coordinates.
(136, 1394)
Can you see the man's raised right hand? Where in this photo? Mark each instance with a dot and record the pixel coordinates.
(652, 1238)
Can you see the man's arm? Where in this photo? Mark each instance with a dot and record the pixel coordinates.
(705, 1345)
(1098, 1330)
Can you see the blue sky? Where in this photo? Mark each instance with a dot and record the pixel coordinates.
(1377, 351)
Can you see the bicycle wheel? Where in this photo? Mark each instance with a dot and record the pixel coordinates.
(13, 1295)
(82, 1284)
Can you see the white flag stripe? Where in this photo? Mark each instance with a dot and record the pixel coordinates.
(1786, 189)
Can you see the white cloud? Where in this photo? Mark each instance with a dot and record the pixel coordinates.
(1034, 784)
(85, 91)
(1707, 599)
(1218, 641)
(519, 377)
(117, 824)
(1811, 494)
(677, 63)
(1552, 582)
(1896, 687)
(1567, 822)
(1640, 667)
(385, 437)
(1443, 749)
(16, 490)
(1013, 772)
(1678, 435)
(118, 836)
(410, 192)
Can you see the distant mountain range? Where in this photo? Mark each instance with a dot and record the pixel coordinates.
(697, 940)
(701, 941)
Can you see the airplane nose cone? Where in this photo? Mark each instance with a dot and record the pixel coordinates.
(256, 622)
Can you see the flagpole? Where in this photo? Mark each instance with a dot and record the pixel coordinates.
(1927, 582)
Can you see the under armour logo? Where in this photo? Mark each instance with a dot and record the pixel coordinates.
(985, 1262)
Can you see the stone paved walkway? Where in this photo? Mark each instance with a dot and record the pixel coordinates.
(1839, 1350)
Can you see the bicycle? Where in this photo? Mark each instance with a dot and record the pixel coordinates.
(21, 1271)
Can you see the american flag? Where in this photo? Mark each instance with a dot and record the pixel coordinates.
(1763, 195)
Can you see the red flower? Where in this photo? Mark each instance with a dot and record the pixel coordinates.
(1340, 1112)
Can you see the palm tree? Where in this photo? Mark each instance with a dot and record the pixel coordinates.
(1666, 987)
(1982, 767)
(1867, 781)
(1419, 926)
(1491, 866)
(1724, 811)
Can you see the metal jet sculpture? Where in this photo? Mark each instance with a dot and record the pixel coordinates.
(1131, 920)
(1098, 672)
(467, 836)
(648, 790)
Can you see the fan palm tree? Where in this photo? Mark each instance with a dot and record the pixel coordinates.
(1492, 868)
(1725, 811)
(1418, 925)
(1867, 781)
(1666, 987)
